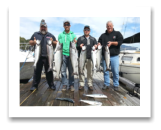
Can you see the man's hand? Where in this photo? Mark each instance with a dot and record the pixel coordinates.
(98, 44)
(51, 39)
(75, 40)
(109, 44)
(35, 41)
(81, 45)
(95, 46)
(55, 42)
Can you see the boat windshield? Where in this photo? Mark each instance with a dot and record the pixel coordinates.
(138, 59)
(127, 58)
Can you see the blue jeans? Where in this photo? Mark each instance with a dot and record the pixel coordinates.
(114, 60)
(67, 64)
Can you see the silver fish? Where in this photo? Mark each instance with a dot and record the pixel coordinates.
(37, 52)
(58, 59)
(82, 59)
(95, 95)
(93, 105)
(74, 58)
(50, 55)
(107, 58)
(98, 58)
(93, 56)
(91, 102)
(65, 99)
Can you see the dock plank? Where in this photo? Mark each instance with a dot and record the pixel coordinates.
(105, 102)
(52, 96)
(76, 93)
(43, 96)
(122, 95)
(28, 92)
(32, 99)
(46, 97)
(58, 95)
(84, 91)
(110, 93)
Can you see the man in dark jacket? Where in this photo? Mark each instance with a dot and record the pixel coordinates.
(43, 35)
(114, 40)
(88, 41)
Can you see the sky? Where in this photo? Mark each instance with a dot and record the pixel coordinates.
(126, 25)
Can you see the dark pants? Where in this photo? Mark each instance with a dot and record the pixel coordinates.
(67, 63)
(37, 72)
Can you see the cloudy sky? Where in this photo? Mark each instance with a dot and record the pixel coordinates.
(126, 25)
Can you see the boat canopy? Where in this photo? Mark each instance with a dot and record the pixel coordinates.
(132, 39)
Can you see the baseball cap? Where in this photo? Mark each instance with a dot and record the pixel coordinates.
(86, 26)
(43, 23)
(66, 21)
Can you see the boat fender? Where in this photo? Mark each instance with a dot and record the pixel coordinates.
(121, 74)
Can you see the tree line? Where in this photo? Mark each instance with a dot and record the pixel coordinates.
(23, 40)
(24, 46)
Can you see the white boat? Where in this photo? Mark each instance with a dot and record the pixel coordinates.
(26, 69)
(129, 65)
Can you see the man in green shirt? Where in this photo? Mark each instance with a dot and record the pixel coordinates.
(65, 38)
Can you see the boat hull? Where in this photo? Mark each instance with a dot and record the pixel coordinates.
(130, 72)
(27, 70)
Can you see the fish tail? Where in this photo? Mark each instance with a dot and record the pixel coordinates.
(57, 79)
(50, 69)
(82, 74)
(54, 70)
(98, 70)
(75, 73)
(108, 69)
(34, 66)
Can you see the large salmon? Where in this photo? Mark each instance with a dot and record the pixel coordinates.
(74, 57)
(98, 58)
(50, 55)
(37, 52)
(58, 59)
(82, 59)
(107, 58)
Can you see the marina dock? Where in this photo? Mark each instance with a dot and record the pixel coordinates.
(44, 96)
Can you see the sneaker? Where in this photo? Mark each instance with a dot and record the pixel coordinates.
(91, 88)
(105, 87)
(64, 88)
(81, 87)
(116, 88)
(72, 88)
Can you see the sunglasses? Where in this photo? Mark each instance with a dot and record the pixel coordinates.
(43, 23)
(86, 29)
(67, 24)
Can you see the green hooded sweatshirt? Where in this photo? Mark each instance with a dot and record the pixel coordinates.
(65, 39)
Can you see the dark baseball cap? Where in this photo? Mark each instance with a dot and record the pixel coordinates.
(86, 26)
(43, 23)
(66, 21)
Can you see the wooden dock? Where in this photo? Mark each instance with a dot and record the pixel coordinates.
(46, 97)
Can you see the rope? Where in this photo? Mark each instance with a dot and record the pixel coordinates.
(129, 73)
(25, 60)
(122, 25)
(27, 97)
(23, 64)
(125, 27)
